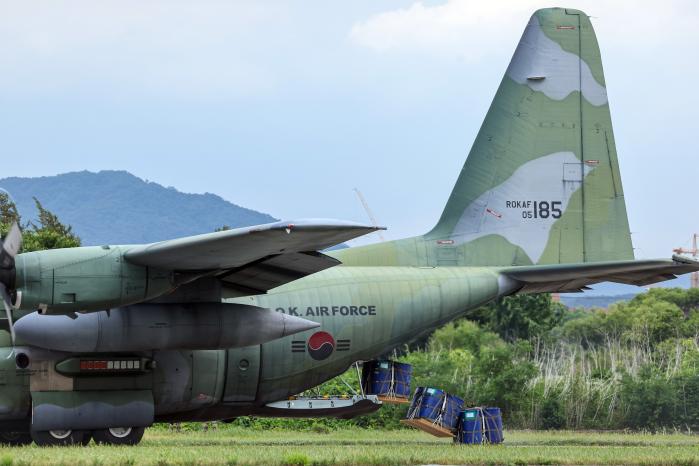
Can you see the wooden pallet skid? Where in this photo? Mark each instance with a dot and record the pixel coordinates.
(427, 426)
(393, 399)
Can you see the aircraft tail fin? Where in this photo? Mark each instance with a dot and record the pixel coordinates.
(541, 184)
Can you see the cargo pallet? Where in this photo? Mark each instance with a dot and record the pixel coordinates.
(396, 400)
(428, 426)
(343, 407)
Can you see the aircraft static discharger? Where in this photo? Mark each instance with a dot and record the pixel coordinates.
(111, 339)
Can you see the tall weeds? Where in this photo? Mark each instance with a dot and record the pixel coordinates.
(585, 381)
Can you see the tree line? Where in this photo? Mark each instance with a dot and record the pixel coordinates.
(46, 233)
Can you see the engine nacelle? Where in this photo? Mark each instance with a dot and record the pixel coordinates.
(61, 281)
(145, 327)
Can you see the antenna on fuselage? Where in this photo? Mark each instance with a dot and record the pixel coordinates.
(369, 213)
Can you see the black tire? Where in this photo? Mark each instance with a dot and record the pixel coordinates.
(119, 435)
(87, 436)
(58, 438)
(15, 439)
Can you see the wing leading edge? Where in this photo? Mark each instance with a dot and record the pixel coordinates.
(568, 278)
(255, 259)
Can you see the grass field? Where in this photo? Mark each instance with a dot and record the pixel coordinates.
(355, 446)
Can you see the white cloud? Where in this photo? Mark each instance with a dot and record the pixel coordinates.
(456, 26)
(472, 29)
(155, 47)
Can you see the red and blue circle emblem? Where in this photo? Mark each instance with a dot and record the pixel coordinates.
(321, 345)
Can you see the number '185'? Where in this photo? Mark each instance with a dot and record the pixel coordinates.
(545, 209)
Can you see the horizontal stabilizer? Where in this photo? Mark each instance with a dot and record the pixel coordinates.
(566, 278)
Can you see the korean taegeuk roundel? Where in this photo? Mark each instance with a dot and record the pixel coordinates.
(321, 345)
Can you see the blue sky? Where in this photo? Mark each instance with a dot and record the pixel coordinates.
(285, 107)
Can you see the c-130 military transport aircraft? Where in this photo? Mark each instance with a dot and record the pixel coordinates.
(110, 339)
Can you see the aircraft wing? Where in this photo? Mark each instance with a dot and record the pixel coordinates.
(566, 278)
(252, 259)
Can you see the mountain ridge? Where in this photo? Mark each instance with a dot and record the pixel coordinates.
(117, 207)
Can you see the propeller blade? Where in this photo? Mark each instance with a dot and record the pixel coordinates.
(7, 302)
(10, 246)
(13, 240)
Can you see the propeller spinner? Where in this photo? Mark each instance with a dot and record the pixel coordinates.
(9, 248)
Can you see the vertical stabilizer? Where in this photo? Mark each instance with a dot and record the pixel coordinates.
(541, 184)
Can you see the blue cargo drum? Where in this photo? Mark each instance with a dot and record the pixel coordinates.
(402, 375)
(435, 405)
(493, 425)
(470, 427)
(452, 407)
(431, 403)
(387, 378)
(480, 425)
(380, 379)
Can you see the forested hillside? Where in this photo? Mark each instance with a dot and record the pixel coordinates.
(116, 207)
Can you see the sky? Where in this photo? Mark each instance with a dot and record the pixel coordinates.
(285, 107)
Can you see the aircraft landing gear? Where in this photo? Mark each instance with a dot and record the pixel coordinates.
(87, 436)
(119, 435)
(50, 438)
(15, 438)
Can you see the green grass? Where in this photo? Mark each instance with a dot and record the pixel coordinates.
(355, 446)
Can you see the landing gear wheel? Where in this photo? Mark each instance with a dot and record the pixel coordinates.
(62, 437)
(15, 438)
(87, 436)
(119, 435)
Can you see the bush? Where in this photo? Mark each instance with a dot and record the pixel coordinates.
(296, 459)
(520, 317)
(649, 401)
(687, 398)
(552, 415)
